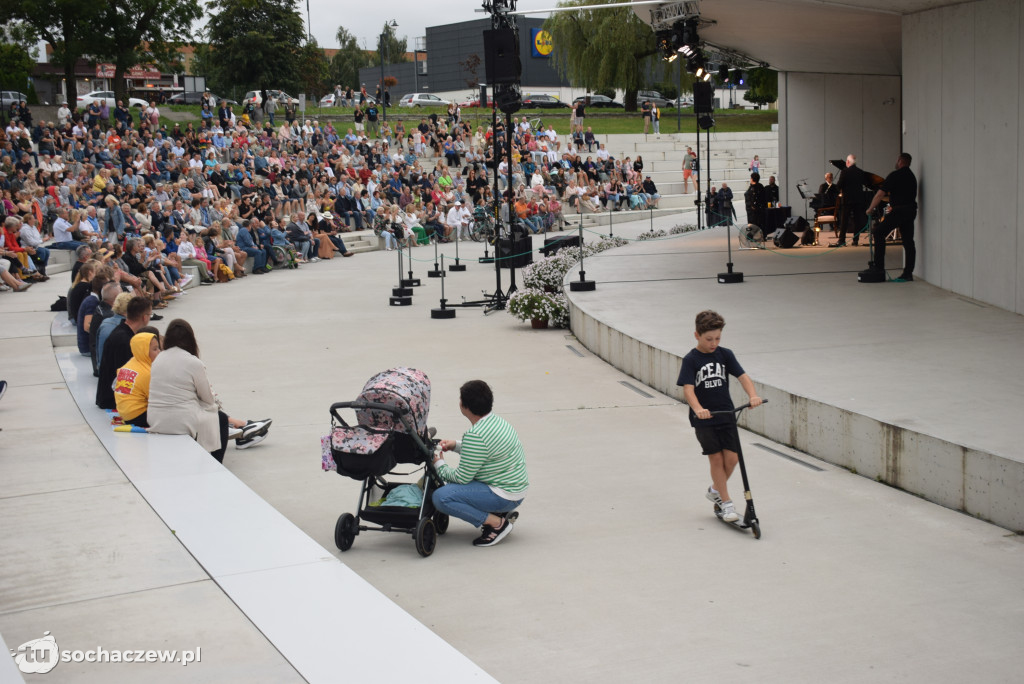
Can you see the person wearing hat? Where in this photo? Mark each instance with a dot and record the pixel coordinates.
(652, 192)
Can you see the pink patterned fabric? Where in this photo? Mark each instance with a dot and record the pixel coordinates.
(401, 387)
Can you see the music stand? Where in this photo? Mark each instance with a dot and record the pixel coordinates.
(805, 193)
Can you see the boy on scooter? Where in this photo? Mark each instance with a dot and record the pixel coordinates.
(704, 378)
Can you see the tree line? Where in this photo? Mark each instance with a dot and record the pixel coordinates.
(250, 44)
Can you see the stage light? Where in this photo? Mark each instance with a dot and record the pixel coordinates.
(723, 73)
(706, 76)
(740, 78)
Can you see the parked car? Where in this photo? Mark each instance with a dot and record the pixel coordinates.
(108, 95)
(599, 101)
(9, 96)
(328, 100)
(422, 100)
(683, 101)
(544, 102)
(282, 97)
(195, 98)
(654, 97)
(474, 101)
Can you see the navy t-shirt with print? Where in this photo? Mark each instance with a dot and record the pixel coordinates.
(709, 375)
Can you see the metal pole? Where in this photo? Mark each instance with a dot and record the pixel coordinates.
(382, 103)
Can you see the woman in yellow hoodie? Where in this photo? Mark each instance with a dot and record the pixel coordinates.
(131, 387)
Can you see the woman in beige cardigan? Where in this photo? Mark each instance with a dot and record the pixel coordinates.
(182, 402)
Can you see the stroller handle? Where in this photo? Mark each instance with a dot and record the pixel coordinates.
(737, 410)
(365, 405)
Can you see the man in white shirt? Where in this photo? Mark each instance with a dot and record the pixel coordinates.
(602, 153)
(455, 221)
(63, 115)
(62, 232)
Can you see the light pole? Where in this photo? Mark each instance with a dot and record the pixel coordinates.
(383, 101)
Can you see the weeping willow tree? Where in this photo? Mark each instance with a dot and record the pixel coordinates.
(602, 48)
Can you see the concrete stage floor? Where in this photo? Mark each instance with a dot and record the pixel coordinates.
(617, 570)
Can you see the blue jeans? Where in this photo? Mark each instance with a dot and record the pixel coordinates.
(70, 244)
(41, 258)
(471, 502)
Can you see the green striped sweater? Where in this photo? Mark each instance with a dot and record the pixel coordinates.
(490, 452)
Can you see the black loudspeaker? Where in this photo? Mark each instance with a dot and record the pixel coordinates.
(553, 244)
(702, 96)
(483, 95)
(797, 224)
(501, 56)
(508, 98)
(785, 238)
(515, 253)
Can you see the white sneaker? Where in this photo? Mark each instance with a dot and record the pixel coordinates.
(234, 433)
(255, 427)
(252, 441)
(729, 512)
(713, 496)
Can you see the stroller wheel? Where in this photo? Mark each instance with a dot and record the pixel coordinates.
(345, 531)
(441, 522)
(426, 537)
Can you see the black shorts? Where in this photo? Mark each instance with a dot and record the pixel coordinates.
(716, 438)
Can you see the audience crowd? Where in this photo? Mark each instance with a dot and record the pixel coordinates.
(148, 200)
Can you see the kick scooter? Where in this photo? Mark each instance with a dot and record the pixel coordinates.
(749, 520)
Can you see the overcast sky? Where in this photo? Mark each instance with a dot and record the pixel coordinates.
(413, 17)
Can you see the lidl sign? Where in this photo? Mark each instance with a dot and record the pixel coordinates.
(541, 44)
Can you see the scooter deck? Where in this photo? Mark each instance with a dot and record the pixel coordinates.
(741, 524)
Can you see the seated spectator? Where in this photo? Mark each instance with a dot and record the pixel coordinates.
(80, 288)
(189, 257)
(182, 402)
(131, 386)
(86, 311)
(118, 311)
(117, 349)
(104, 310)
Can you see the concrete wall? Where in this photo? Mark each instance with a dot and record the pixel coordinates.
(828, 116)
(982, 484)
(964, 124)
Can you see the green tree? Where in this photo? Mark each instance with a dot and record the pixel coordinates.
(389, 47)
(764, 86)
(141, 31)
(69, 26)
(602, 48)
(256, 43)
(347, 62)
(314, 70)
(16, 66)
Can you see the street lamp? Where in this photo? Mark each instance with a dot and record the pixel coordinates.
(383, 101)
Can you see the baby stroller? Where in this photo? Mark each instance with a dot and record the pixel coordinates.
(391, 429)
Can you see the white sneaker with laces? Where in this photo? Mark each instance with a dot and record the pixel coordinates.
(713, 496)
(729, 512)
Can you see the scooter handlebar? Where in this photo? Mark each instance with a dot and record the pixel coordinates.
(737, 409)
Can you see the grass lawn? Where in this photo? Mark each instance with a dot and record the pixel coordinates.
(603, 122)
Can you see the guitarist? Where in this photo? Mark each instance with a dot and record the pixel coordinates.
(901, 186)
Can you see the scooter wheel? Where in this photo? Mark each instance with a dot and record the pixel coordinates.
(756, 529)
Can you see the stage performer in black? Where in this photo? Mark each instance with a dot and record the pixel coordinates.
(851, 184)
(756, 202)
(901, 186)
